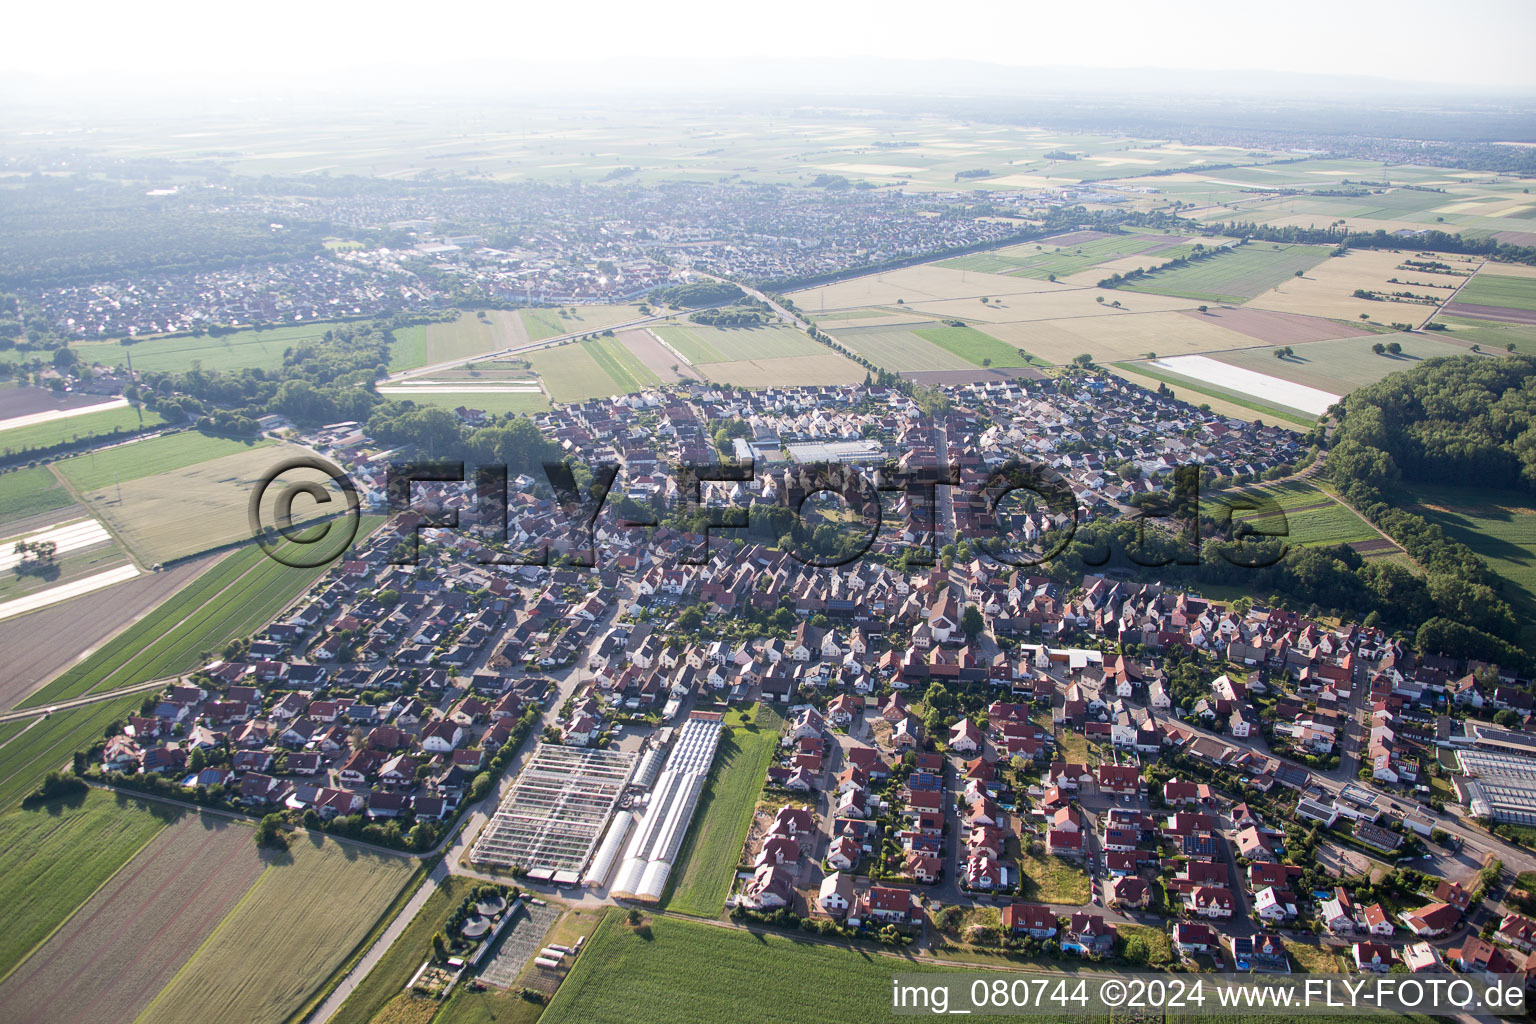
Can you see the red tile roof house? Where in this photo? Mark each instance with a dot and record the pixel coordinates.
(1119, 779)
(1519, 931)
(1194, 937)
(1371, 956)
(1477, 954)
(1064, 844)
(1209, 901)
(1128, 891)
(924, 867)
(1432, 920)
(1029, 919)
(1087, 933)
(889, 905)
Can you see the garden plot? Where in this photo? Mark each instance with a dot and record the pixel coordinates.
(519, 943)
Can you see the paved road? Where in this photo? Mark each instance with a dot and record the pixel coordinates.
(90, 698)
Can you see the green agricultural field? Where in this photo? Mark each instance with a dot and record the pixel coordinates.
(974, 347)
(49, 744)
(1341, 365)
(469, 335)
(238, 350)
(53, 858)
(395, 968)
(701, 878)
(137, 459)
(30, 492)
(548, 323)
(900, 349)
(302, 919)
(1310, 517)
(1489, 288)
(75, 428)
(1490, 335)
(584, 370)
(1042, 260)
(1236, 275)
(188, 510)
(701, 344)
(621, 364)
(684, 972)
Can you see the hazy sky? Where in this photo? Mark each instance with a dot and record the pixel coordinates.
(1488, 42)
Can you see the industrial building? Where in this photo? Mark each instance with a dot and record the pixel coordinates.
(652, 850)
(556, 810)
(1499, 784)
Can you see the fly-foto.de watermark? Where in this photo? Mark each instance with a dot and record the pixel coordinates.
(1165, 995)
(1021, 514)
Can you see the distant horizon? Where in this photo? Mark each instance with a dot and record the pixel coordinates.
(293, 45)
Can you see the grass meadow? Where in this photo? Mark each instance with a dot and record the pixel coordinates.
(1048, 879)
(706, 864)
(149, 457)
(1499, 525)
(974, 347)
(302, 919)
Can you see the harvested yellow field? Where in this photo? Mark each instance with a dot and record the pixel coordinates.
(795, 371)
(913, 284)
(1120, 337)
(1054, 305)
(1505, 270)
(1328, 289)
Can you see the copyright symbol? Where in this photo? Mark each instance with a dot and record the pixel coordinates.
(327, 530)
(1112, 993)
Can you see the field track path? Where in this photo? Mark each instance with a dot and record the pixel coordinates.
(326, 1010)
